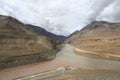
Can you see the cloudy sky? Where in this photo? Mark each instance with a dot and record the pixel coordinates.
(61, 16)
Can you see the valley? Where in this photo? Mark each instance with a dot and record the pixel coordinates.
(29, 52)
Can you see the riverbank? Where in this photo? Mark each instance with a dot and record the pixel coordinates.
(66, 57)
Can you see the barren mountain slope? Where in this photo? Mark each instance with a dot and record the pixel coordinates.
(40, 31)
(19, 45)
(100, 37)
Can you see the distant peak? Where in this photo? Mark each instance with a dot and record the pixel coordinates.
(99, 22)
(7, 17)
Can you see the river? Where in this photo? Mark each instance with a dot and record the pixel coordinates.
(66, 57)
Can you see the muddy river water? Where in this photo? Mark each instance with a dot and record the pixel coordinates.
(66, 57)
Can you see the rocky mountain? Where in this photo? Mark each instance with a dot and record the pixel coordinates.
(71, 36)
(38, 30)
(99, 37)
(19, 45)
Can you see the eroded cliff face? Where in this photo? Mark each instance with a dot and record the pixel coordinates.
(100, 37)
(19, 45)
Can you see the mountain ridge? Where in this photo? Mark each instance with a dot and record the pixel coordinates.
(40, 30)
(98, 37)
(19, 45)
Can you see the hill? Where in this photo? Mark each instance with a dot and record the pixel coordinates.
(99, 38)
(19, 45)
(38, 30)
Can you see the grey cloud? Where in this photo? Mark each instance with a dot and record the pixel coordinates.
(61, 16)
(112, 12)
(58, 16)
(97, 8)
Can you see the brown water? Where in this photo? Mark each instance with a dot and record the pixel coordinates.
(64, 58)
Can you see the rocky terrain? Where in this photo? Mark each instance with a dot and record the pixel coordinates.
(88, 75)
(38, 30)
(63, 74)
(20, 45)
(99, 37)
